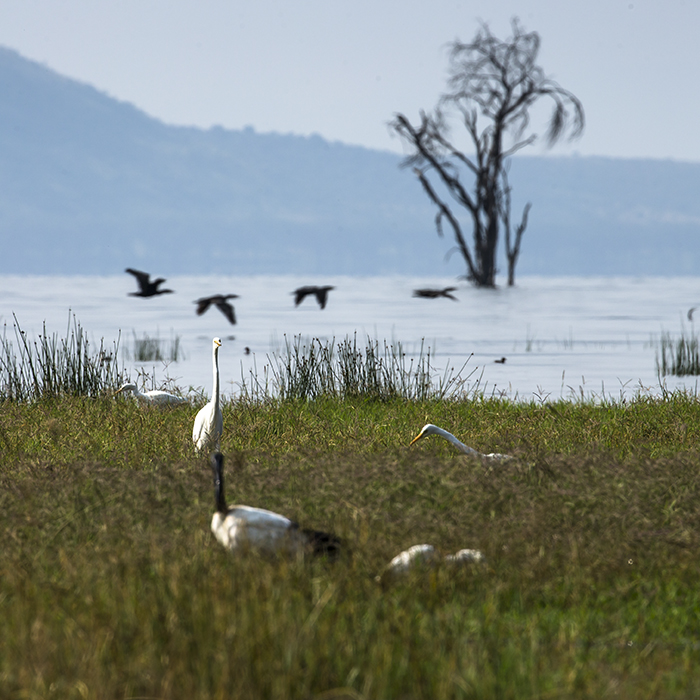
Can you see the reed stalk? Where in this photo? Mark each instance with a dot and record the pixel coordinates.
(52, 366)
(678, 356)
(309, 369)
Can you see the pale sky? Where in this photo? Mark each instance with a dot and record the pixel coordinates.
(342, 69)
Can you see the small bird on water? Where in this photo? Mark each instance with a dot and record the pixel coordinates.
(221, 303)
(321, 294)
(146, 287)
(435, 293)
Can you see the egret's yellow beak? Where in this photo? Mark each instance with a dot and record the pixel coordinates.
(415, 439)
(218, 344)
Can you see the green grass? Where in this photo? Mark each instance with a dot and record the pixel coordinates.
(112, 586)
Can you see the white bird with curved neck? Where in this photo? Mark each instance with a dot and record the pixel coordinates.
(430, 429)
(154, 397)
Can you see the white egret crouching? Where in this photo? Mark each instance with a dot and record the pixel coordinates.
(431, 429)
(154, 397)
(426, 556)
(209, 422)
(418, 555)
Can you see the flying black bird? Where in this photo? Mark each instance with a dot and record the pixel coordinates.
(435, 293)
(321, 294)
(146, 287)
(221, 303)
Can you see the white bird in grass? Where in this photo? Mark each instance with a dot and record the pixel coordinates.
(431, 429)
(209, 423)
(426, 556)
(245, 528)
(160, 398)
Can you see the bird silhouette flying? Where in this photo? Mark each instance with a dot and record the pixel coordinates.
(435, 293)
(146, 287)
(321, 294)
(221, 303)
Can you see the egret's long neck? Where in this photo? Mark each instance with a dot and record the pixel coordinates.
(458, 443)
(219, 494)
(216, 376)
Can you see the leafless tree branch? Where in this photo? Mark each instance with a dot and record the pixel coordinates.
(492, 84)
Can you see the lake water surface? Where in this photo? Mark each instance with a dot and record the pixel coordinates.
(560, 336)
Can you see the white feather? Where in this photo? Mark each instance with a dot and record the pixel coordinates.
(411, 557)
(245, 527)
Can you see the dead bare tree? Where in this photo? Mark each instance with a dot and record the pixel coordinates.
(492, 86)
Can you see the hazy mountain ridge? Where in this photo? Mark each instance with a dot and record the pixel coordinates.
(89, 184)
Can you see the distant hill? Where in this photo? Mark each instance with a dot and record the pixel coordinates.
(90, 185)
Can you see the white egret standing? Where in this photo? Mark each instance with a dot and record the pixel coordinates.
(247, 528)
(209, 423)
(431, 429)
(161, 398)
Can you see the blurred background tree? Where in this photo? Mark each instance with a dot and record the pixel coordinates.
(492, 87)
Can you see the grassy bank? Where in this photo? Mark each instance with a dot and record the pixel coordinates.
(111, 585)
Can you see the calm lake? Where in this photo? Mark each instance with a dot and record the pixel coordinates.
(561, 337)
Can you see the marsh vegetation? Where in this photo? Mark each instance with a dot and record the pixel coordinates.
(150, 348)
(112, 585)
(678, 356)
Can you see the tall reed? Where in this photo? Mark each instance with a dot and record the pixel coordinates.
(679, 357)
(308, 369)
(148, 349)
(51, 366)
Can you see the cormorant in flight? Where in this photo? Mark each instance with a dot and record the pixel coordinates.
(146, 287)
(435, 293)
(321, 294)
(221, 303)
